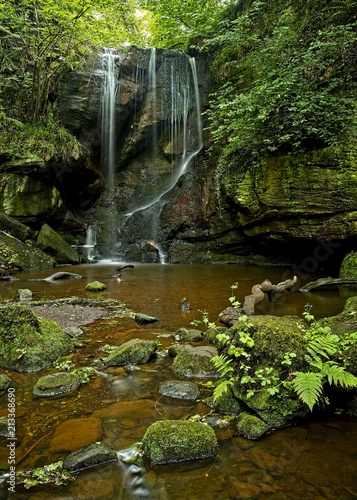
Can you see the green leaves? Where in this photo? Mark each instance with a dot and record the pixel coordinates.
(309, 387)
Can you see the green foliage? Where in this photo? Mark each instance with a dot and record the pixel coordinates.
(285, 76)
(49, 474)
(309, 387)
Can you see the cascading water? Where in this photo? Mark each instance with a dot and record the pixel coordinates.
(160, 133)
(91, 241)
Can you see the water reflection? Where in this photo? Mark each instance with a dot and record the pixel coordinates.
(316, 461)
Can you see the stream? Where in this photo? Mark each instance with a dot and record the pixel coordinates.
(316, 460)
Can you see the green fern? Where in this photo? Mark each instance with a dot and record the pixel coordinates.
(309, 387)
(221, 389)
(222, 364)
(322, 347)
(337, 375)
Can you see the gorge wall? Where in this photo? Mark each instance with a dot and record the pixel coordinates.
(155, 197)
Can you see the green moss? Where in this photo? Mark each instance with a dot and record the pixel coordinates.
(52, 243)
(135, 351)
(173, 441)
(251, 427)
(95, 286)
(349, 266)
(27, 343)
(16, 255)
(56, 383)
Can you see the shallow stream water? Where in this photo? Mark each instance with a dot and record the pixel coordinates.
(316, 460)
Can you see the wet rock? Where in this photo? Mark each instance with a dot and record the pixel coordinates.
(230, 316)
(29, 344)
(95, 286)
(179, 389)
(251, 427)
(24, 294)
(173, 441)
(5, 381)
(89, 456)
(211, 333)
(133, 352)
(53, 244)
(196, 362)
(73, 331)
(241, 490)
(143, 319)
(76, 433)
(348, 267)
(56, 383)
(191, 335)
(15, 228)
(176, 349)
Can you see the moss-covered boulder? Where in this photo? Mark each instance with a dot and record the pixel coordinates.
(179, 389)
(4, 426)
(22, 256)
(29, 344)
(196, 362)
(95, 286)
(173, 441)
(175, 349)
(348, 269)
(251, 427)
(133, 352)
(144, 319)
(188, 335)
(53, 244)
(5, 381)
(15, 228)
(56, 383)
(89, 456)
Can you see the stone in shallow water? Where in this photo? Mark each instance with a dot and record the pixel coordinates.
(56, 383)
(133, 352)
(5, 381)
(75, 433)
(89, 456)
(95, 286)
(173, 441)
(196, 363)
(143, 319)
(251, 427)
(179, 389)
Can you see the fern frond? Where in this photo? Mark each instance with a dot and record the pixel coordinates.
(221, 389)
(222, 364)
(337, 375)
(308, 387)
(322, 347)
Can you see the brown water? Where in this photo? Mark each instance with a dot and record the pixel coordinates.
(316, 461)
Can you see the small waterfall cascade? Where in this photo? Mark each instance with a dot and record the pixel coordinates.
(151, 131)
(110, 86)
(91, 241)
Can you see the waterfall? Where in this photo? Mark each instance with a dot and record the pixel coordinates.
(91, 241)
(108, 129)
(151, 131)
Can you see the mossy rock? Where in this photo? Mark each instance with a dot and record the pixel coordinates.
(348, 269)
(179, 389)
(4, 426)
(174, 441)
(251, 427)
(5, 381)
(15, 228)
(23, 256)
(196, 362)
(273, 337)
(211, 333)
(95, 286)
(175, 349)
(133, 352)
(56, 383)
(52, 243)
(144, 319)
(227, 403)
(29, 344)
(189, 335)
(89, 456)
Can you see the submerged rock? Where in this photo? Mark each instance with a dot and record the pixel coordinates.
(29, 344)
(133, 352)
(179, 389)
(173, 441)
(89, 456)
(56, 383)
(196, 362)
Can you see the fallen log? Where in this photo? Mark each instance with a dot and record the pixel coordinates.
(59, 276)
(312, 285)
(259, 291)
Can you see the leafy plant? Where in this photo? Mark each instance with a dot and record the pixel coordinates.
(49, 474)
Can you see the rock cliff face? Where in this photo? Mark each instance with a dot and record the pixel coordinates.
(148, 190)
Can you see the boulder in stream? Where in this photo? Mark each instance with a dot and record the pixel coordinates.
(251, 427)
(173, 441)
(5, 381)
(53, 244)
(179, 389)
(196, 362)
(133, 352)
(89, 456)
(95, 286)
(56, 383)
(29, 344)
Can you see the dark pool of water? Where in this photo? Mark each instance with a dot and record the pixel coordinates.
(317, 460)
